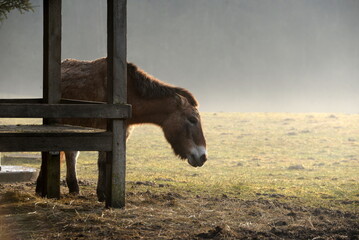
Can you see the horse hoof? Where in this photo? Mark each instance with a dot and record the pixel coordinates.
(39, 193)
(73, 187)
(101, 197)
(75, 193)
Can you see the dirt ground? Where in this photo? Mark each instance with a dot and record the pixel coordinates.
(165, 215)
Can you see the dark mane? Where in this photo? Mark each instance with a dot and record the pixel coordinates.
(149, 87)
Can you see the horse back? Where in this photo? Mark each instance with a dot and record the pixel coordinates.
(84, 80)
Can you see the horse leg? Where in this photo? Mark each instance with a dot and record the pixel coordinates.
(40, 182)
(101, 181)
(71, 179)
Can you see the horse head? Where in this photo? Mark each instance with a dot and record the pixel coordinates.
(183, 130)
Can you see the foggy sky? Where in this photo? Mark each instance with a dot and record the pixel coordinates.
(234, 55)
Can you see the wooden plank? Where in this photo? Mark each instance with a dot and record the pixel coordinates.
(45, 129)
(37, 142)
(75, 101)
(53, 174)
(22, 100)
(65, 110)
(117, 93)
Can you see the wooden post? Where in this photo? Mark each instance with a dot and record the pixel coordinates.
(52, 51)
(117, 93)
(51, 92)
(53, 174)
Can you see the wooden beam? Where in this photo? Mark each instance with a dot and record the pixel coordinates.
(118, 166)
(75, 101)
(117, 94)
(52, 51)
(53, 174)
(38, 142)
(115, 111)
(51, 80)
(22, 100)
(117, 51)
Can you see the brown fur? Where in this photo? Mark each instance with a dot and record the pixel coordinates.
(152, 101)
(149, 87)
(172, 108)
(87, 80)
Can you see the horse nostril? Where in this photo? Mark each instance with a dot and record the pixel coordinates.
(203, 158)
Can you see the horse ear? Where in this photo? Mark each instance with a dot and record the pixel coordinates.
(185, 93)
(181, 101)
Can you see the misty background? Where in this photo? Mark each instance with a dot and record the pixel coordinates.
(233, 55)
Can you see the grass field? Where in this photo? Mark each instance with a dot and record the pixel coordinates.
(306, 161)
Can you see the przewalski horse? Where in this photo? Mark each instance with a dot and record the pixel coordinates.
(172, 108)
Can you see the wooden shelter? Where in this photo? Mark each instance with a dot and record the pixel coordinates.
(51, 138)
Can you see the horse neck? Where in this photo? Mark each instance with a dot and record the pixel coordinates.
(154, 111)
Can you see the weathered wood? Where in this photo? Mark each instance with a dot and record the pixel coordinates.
(52, 51)
(56, 138)
(118, 156)
(59, 142)
(117, 93)
(53, 174)
(75, 101)
(116, 51)
(113, 141)
(51, 85)
(45, 129)
(22, 100)
(65, 110)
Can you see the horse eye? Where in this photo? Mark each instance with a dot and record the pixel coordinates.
(192, 120)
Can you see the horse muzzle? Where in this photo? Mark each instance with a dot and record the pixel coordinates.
(197, 157)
